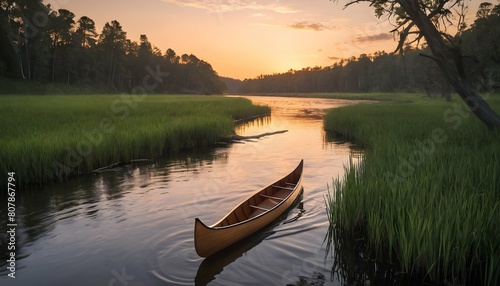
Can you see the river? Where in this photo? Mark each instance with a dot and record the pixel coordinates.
(134, 225)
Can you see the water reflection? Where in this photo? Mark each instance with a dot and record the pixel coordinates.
(257, 122)
(140, 217)
(354, 264)
(317, 279)
(215, 264)
(93, 197)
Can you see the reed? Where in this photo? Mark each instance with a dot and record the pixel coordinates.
(46, 138)
(427, 193)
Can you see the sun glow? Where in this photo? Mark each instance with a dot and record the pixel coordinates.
(243, 39)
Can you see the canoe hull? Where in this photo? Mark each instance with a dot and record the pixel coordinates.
(211, 239)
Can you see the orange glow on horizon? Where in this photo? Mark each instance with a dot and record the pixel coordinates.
(246, 38)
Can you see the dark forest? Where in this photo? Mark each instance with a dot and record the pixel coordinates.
(43, 45)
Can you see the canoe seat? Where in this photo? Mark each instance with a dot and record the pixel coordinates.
(290, 184)
(270, 197)
(284, 188)
(264, 206)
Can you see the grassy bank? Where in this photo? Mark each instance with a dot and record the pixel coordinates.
(45, 138)
(427, 195)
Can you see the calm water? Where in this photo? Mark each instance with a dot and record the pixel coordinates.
(134, 225)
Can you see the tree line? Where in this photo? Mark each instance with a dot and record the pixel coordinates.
(407, 70)
(40, 44)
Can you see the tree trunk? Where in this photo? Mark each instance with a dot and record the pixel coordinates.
(110, 72)
(34, 68)
(473, 100)
(54, 64)
(405, 71)
(22, 65)
(28, 57)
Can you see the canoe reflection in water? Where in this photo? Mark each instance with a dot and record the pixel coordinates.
(215, 264)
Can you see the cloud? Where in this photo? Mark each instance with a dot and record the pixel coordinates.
(309, 26)
(373, 38)
(267, 25)
(334, 58)
(258, 15)
(220, 6)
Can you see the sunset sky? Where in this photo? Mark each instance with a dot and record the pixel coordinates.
(246, 38)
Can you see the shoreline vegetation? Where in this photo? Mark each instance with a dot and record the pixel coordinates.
(426, 196)
(54, 137)
(12, 86)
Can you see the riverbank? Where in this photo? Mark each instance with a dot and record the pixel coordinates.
(370, 96)
(48, 138)
(426, 196)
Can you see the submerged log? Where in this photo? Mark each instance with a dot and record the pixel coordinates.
(236, 138)
(120, 164)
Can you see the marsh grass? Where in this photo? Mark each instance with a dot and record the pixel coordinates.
(427, 194)
(45, 138)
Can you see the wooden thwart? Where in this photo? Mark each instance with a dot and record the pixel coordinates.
(284, 188)
(259, 208)
(271, 197)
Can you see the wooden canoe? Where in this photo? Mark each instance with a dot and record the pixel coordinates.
(254, 213)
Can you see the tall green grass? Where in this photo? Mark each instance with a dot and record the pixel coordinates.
(427, 194)
(45, 138)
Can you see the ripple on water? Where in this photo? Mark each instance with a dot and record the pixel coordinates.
(175, 259)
